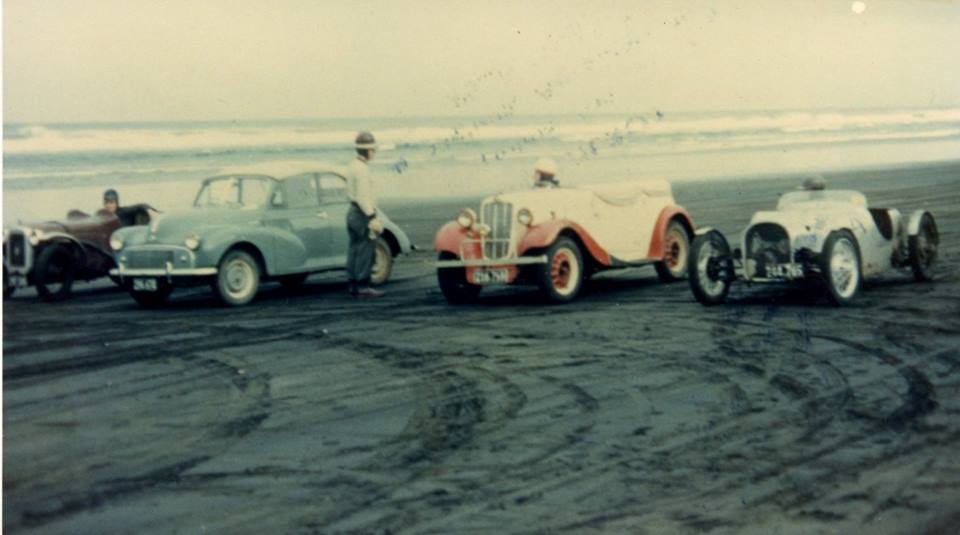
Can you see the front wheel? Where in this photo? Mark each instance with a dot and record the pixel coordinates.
(710, 268)
(453, 283)
(238, 278)
(923, 249)
(54, 272)
(840, 267)
(382, 262)
(8, 288)
(561, 277)
(676, 249)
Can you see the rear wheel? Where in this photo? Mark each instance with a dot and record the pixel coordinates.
(453, 283)
(382, 262)
(54, 272)
(561, 277)
(710, 268)
(840, 267)
(238, 278)
(923, 249)
(676, 250)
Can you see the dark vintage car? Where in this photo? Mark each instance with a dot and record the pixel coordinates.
(52, 255)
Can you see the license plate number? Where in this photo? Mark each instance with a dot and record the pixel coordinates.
(145, 285)
(489, 276)
(785, 271)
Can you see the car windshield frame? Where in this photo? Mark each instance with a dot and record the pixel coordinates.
(244, 201)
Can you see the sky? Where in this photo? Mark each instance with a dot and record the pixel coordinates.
(149, 60)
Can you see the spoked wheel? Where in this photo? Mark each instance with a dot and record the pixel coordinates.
(54, 272)
(710, 268)
(238, 278)
(453, 283)
(676, 250)
(382, 262)
(923, 249)
(561, 277)
(840, 267)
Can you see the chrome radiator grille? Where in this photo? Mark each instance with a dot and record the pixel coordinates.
(499, 216)
(17, 249)
(149, 259)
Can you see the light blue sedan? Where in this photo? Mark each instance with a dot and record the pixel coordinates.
(244, 229)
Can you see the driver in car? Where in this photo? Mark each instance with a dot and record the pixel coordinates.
(138, 214)
(544, 174)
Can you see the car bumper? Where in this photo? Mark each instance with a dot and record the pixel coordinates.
(162, 272)
(484, 262)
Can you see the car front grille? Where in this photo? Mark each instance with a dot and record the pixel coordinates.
(767, 244)
(149, 259)
(499, 217)
(16, 249)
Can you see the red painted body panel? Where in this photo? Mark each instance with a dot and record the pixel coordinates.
(448, 238)
(544, 234)
(660, 229)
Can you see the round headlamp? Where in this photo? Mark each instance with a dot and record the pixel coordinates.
(116, 244)
(524, 217)
(192, 242)
(466, 218)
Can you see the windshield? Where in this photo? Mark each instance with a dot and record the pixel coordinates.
(235, 191)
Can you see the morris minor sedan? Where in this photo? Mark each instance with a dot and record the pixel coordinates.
(557, 237)
(822, 235)
(244, 229)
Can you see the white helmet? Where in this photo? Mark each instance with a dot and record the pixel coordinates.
(546, 166)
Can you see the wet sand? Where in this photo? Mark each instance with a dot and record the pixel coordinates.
(632, 410)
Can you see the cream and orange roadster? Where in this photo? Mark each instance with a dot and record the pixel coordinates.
(556, 238)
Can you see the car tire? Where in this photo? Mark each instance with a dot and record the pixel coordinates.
(923, 249)
(54, 272)
(453, 283)
(8, 288)
(238, 278)
(840, 267)
(710, 268)
(561, 278)
(676, 250)
(382, 263)
(152, 299)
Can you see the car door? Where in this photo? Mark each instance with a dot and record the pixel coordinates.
(307, 220)
(334, 202)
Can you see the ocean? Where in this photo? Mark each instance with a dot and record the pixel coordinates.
(51, 168)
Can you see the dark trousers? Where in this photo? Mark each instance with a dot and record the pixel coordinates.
(362, 249)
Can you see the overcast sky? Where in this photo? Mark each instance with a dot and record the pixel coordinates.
(133, 60)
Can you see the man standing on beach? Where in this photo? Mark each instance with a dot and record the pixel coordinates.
(363, 226)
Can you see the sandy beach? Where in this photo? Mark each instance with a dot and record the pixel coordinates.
(631, 410)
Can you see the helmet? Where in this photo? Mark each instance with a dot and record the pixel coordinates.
(111, 195)
(365, 140)
(814, 183)
(546, 166)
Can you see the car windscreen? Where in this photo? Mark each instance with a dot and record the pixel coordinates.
(235, 192)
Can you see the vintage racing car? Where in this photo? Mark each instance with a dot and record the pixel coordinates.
(830, 235)
(556, 237)
(54, 254)
(244, 228)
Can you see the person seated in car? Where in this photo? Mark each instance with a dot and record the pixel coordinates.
(814, 183)
(544, 174)
(138, 214)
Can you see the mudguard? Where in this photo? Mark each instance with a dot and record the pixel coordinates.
(542, 235)
(448, 238)
(669, 213)
(913, 227)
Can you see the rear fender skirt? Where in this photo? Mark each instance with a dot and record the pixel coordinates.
(542, 235)
(668, 214)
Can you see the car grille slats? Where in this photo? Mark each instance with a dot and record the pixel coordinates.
(17, 249)
(149, 259)
(499, 217)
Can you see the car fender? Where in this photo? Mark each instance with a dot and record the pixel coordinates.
(667, 214)
(60, 237)
(400, 238)
(913, 226)
(544, 234)
(449, 237)
(214, 245)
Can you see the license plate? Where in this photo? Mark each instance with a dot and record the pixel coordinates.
(785, 271)
(489, 276)
(145, 285)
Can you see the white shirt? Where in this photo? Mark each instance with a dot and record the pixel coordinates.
(360, 186)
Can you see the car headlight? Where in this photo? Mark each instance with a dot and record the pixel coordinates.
(192, 242)
(116, 244)
(524, 217)
(466, 218)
